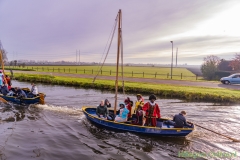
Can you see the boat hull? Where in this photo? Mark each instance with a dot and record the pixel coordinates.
(123, 127)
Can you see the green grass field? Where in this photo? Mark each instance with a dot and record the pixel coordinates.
(129, 71)
(162, 90)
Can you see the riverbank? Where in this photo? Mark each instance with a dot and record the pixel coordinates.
(190, 93)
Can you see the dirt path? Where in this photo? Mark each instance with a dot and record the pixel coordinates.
(144, 80)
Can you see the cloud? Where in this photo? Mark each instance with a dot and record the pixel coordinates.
(54, 30)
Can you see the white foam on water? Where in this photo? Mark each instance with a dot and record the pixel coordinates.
(73, 111)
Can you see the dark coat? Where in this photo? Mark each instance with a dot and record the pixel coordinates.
(102, 110)
(4, 90)
(180, 121)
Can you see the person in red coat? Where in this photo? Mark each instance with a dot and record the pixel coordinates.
(129, 104)
(152, 111)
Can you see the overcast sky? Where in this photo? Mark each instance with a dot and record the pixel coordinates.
(54, 29)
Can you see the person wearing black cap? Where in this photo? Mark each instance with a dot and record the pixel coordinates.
(152, 111)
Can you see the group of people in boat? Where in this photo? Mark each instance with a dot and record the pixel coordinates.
(145, 114)
(18, 92)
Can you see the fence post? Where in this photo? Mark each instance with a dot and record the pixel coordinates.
(143, 74)
(167, 75)
(84, 71)
(132, 73)
(196, 76)
(156, 75)
(101, 71)
(181, 75)
(32, 68)
(92, 71)
(110, 72)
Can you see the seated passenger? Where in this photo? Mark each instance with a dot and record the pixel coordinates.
(129, 104)
(21, 94)
(123, 113)
(4, 89)
(107, 103)
(138, 117)
(179, 121)
(102, 111)
(33, 92)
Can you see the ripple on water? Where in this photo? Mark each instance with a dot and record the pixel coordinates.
(59, 130)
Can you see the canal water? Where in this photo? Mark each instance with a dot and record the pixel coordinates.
(59, 130)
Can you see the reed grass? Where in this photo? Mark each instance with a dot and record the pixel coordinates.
(161, 90)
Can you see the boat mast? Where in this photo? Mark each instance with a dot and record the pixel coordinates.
(118, 52)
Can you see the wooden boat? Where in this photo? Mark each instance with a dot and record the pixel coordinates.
(35, 100)
(5, 99)
(160, 130)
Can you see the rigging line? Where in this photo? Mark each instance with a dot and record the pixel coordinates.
(108, 41)
(107, 51)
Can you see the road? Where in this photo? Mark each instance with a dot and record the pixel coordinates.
(144, 80)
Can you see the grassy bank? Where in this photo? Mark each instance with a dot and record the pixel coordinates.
(161, 90)
(129, 71)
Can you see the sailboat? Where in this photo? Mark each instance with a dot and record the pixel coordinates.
(160, 130)
(39, 99)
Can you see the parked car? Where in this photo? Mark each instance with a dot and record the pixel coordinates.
(232, 79)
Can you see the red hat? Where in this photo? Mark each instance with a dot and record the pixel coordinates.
(127, 100)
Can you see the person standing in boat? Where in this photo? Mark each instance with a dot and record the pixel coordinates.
(9, 82)
(1, 78)
(129, 104)
(102, 111)
(138, 103)
(33, 92)
(152, 111)
(123, 113)
(107, 103)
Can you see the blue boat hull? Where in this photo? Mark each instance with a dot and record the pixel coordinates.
(123, 127)
(12, 99)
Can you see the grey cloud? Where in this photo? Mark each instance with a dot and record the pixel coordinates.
(44, 29)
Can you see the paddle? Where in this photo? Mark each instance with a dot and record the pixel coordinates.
(3, 100)
(233, 139)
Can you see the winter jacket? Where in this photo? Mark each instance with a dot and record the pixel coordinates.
(180, 121)
(102, 110)
(4, 90)
(34, 90)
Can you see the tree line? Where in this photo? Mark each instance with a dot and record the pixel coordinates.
(214, 67)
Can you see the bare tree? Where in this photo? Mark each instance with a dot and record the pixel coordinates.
(210, 66)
